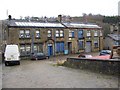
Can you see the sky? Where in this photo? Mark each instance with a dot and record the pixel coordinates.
(52, 8)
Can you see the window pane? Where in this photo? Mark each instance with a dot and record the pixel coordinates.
(49, 31)
(81, 44)
(61, 35)
(57, 35)
(35, 48)
(80, 34)
(22, 49)
(88, 33)
(70, 34)
(96, 43)
(21, 31)
(95, 33)
(49, 35)
(57, 31)
(27, 31)
(37, 34)
(61, 31)
(37, 31)
(21, 34)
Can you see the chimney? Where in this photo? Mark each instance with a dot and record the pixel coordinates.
(60, 18)
(9, 17)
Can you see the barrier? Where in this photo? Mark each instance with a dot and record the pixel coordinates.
(110, 66)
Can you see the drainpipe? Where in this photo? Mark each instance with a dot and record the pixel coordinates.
(54, 42)
(32, 43)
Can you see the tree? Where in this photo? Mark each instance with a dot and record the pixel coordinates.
(111, 19)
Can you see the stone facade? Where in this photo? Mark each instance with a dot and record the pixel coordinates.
(54, 40)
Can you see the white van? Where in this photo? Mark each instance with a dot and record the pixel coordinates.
(12, 55)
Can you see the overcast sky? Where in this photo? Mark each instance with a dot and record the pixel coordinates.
(51, 8)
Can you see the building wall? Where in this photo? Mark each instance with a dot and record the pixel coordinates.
(44, 44)
(119, 8)
(0, 35)
(108, 43)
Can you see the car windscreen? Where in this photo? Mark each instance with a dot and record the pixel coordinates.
(40, 54)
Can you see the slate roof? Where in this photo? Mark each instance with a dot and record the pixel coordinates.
(115, 36)
(14, 23)
(81, 25)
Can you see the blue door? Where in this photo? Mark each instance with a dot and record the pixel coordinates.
(50, 50)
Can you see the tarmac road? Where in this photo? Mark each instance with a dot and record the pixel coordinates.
(43, 74)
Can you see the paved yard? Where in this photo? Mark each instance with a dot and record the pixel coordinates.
(43, 74)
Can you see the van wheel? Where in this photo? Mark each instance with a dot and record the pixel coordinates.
(18, 63)
(6, 64)
(36, 58)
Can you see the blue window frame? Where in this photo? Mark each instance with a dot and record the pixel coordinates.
(80, 34)
(59, 47)
(71, 34)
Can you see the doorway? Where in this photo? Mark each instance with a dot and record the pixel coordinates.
(50, 50)
(88, 46)
(69, 47)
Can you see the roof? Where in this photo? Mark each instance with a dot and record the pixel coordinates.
(81, 25)
(114, 36)
(14, 23)
(34, 24)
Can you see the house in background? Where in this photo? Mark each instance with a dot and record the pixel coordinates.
(53, 38)
(113, 38)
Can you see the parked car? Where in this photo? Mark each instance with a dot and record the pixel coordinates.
(38, 56)
(84, 56)
(105, 52)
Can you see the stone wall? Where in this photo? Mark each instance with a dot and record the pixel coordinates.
(95, 65)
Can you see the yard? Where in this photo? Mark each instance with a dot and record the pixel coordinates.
(45, 74)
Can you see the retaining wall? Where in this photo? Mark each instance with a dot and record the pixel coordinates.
(110, 66)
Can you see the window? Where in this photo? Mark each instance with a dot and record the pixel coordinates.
(95, 33)
(59, 47)
(27, 33)
(28, 49)
(59, 33)
(80, 34)
(37, 34)
(21, 34)
(88, 33)
(81, 45)
(49, 33)
(35, 48)
(71, 34)
(96, 44)
(116, 42)
(22, 49)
